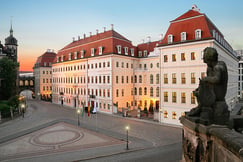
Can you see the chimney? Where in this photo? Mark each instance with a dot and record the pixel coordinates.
(112, 26)
(97, 31)
(84, 36)
(104, 29)
(90, 34)
(78, 37)
(148, 39)
(160, 37)
(143, 40)
(73, 39)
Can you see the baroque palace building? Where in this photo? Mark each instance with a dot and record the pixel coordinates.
(159, 75)
(43, 75)
(181, 55)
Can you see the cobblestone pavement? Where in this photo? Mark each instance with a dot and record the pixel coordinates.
(50, 133)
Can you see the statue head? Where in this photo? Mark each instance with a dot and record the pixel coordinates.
(210, 55)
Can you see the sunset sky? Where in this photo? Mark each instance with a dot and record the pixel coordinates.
(51, 24)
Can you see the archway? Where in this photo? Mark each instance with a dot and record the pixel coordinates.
(26, 93)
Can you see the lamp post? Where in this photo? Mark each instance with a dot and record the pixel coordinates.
(22, 106)
(78, 112)
(127, 128)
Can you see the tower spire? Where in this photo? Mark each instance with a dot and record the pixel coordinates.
(11, 28)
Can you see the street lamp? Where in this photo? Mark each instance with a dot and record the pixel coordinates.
(22, 106)
(78, 112)
(127, 128)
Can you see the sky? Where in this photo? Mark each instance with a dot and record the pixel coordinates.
(39, 25)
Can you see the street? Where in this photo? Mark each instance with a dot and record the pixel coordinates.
(148, 141)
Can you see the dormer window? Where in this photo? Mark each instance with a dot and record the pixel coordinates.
(132, 51)
(145, 53)
(140, 53)
(62, 58)
(126, 50)
(49, 63)
(92, 51)
(198, 34)
(101, 50)
(118, 49)
(82, 53)
(170, 38)
(57, 59)
(183, 36)
(70, 56)
(75, 55)
(44, 63)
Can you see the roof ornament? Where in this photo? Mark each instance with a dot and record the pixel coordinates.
(195, 8)
(84, 36)
(104, 29)
(112, 26)
(97, 31)
(11, 29)
(90, 34)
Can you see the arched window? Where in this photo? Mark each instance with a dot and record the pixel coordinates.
(151, 79)
(140, 91)
(135, 79)
(157, 78)
(198, 34)
(135, 91)
(157, 92)
(145, 90)
(140, 78)
(151, 92)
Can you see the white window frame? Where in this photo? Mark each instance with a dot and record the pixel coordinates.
(75, 55)
(92, 51)
(100, 50)
(145, 53)
(62, 58)
(70, 56)
(132, 51)
(170, 38)
(183, 36)
(118, 49)
(198, 34)
(140, 53)
(57, 59)
(82, 54)
(126, 50)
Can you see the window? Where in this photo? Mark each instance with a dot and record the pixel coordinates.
(145, 53)
(145, 90)
(165, 114)
(82, 53)
(127, 65)
(117, 93)
(151, 92)
(151, 65)
(183, 78)
(135, 79)
(108, 79)
(165, 78)
(183, 97)
(132, 51)
(198, 34)
(170, 38)
(126, 50)
(135, 91)
(183, 36)
(118, 49)
(108, 64)
(92, 51)
(75, 55)
(122, 80)
(193, 101)
(157, 78)
(193, 57)
(140, 53)
(57, 59)
(145, 66)
(173, 115)
(140, 78)
(103, 79)
(151, 79)
(183, 57)
(174, 97)
(122, 92)
(140, 91)
(173, 57)
(165, 96)
(117, 79)
(157, 92)
(174, 78)
(193, 79)
(122, 65)
(117, 64)
(103, 64)
(70, 56)
(44, 63)
(157, 65)
(101, 50)
(127, 79)
(62, 58)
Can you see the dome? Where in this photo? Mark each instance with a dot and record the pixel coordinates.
(11, 41)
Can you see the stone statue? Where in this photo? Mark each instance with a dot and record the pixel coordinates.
(212, 108)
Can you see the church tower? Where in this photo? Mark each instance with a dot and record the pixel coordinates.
(11, 45)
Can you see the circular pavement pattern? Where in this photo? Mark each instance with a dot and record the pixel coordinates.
(56, 138)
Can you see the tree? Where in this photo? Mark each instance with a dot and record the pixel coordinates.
(8, 76)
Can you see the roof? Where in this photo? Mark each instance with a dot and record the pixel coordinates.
(48, 58)
(108, 41)
(149, 46)
(189, 22)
